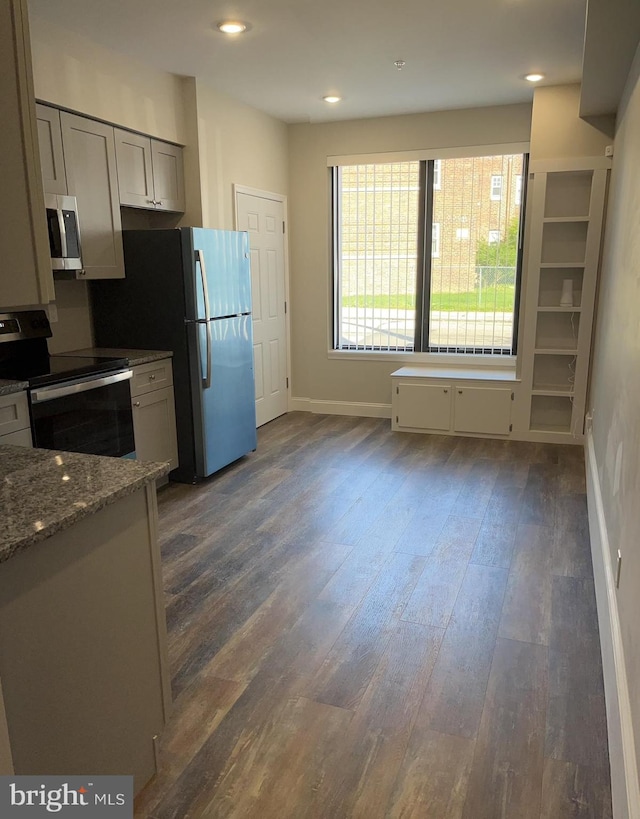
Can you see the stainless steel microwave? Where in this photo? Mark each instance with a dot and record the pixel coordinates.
(64, 232)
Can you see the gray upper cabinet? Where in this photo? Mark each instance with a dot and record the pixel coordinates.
(25, 276)
(54, 178)
(168, 176)
(90, 162)
(150, 172)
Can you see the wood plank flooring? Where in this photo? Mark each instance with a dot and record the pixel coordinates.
(374, 624)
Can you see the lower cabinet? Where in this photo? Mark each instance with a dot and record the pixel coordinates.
(154, 414)
(431, 404)
(15, 428)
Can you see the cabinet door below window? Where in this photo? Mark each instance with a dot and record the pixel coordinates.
(423, 406)
(482, 409)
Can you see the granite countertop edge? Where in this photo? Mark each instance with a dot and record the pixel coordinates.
(8, 386)
(121, 485)
(135, 357)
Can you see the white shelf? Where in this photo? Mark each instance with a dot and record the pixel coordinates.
(552, 390)
(561, 265)
(560, 429)
(561, 219)
(559, 309)
(556, 351)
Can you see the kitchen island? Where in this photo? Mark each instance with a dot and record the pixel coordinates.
(83, 661)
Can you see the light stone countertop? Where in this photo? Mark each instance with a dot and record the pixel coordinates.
(43, 491)
(135, 357)
(9, 386)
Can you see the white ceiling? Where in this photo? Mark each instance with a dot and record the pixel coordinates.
(458, 53)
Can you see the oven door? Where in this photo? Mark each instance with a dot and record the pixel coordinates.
(89, 415)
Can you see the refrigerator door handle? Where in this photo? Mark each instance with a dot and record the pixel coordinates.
(206, 381)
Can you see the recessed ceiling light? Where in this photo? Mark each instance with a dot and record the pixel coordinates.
(534, 77)
(332, 98)
(232, 27)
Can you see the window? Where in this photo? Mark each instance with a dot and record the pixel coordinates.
(401, 287)
(496, 188)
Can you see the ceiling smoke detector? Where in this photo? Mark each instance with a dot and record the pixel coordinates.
(399, 64)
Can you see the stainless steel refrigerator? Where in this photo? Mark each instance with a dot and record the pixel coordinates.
(189, 291)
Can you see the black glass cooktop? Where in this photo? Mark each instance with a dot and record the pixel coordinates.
(54, 369)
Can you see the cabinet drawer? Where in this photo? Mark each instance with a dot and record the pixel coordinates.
(14, 413)
(153, 376)
(20, 438)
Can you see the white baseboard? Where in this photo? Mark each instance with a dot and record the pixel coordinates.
(357, 408)
(625, 786)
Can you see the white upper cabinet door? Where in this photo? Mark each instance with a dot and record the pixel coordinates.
(90, 161)
(54, 178)
(135, 172)
(168, 176)
(25, 276)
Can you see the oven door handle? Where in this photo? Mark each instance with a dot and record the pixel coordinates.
(51, 393)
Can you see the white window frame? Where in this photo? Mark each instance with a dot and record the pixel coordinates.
(496, 187)
(435, 240)
(462, 233)
(518, 189)
(494, 237)
(437, 174)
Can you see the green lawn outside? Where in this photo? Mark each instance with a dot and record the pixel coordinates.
(494, 298)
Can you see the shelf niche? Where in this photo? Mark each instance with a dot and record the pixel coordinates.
(550, 413)
(568, 194)
(557, 331)
(564, 242)
(554, 373)
(551, 279)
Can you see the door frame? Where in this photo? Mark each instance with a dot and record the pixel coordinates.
(276, 197)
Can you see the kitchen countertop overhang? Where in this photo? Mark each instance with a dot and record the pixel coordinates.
(8, 386)
(44, 491)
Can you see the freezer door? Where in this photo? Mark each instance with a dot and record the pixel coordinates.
(228, 420)
(222, 257)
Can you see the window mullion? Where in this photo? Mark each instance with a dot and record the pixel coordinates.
(425, 243)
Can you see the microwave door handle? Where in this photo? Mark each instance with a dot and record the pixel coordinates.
(199, 256)
(63, 233)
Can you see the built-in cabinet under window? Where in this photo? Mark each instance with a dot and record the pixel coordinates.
(454, 401)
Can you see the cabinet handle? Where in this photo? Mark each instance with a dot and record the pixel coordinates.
(151, 201)
(152, 378)
(157, 202)
(459, 392)
(446, 390)
(136, 403)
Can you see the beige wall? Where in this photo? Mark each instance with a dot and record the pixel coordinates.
(615, 390)
(314, 374)
(558, 132)
(238, 145)
(73, 72)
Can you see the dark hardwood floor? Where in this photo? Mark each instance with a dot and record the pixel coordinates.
(374, 624)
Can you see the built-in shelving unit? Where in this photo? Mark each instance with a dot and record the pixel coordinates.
(566, 210)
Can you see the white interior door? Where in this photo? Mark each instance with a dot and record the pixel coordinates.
(263, 218)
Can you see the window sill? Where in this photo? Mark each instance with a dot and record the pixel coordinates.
(431, 359)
